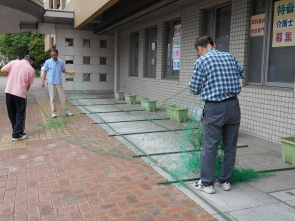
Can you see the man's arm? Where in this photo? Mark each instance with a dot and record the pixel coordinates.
(5, 69)
(65, 71)
(28, 88)
(239, 70)
(44, 77)
(69, 72)
(195, 84)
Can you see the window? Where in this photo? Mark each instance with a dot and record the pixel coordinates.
(69, 60)
(86, 77)
(216, 23)
(172, 49)
(103, 60)
(69, 42)
(86, 60)
(272, 44)
(103, 44)
(256, 41)
(134, 54)
(280, 68)
(151, 52)
(86, 43)
(103, 77)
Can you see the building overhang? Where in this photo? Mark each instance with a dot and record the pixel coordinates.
(144, 12)
(21, 17)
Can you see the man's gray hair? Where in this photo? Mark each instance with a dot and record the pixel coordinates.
(29, 58)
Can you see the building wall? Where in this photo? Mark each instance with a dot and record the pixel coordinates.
(77, 52)
(266, 112)
(48, 43)
(86, 11)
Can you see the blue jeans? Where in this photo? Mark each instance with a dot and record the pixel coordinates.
(16, 108)
(221, 119)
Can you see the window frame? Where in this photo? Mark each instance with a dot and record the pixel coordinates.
(269, 9)
(148, 53)
(171, 23)
(214, 18)
(133, 71)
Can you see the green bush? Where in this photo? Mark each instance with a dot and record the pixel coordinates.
(37, 73)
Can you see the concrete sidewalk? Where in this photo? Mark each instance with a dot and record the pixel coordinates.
(268, 198)
(77, 172)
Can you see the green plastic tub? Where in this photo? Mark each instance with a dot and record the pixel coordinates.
(177, 113)
(130, 98)
(119, 95)
(148, 104)
(288, 149)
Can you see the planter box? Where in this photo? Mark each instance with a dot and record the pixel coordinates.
(177, 113)
(288, 149)
(130, 98)
(148, 104)
(119, 95)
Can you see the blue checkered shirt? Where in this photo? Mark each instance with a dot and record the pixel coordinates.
(216, 76)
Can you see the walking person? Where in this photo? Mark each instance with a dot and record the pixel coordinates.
(216, 77)
(52, 73)
(20, 77)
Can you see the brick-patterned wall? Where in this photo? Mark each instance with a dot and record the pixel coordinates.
(86, 11)
(266, 113)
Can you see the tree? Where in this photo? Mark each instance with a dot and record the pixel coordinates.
(16, 46)
(36, 48)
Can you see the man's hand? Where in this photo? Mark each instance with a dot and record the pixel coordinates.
(71, 72)
(43, 84)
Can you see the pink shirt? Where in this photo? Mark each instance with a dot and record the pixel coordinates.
(20, 75)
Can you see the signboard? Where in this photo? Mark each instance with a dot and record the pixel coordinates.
(257, 25)
(177, 30)
(283, 24)
(176, 53)
(176, 47)
(176, 63)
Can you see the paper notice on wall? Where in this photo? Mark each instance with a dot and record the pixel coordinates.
(176, 41)
(176, 52)
(283, 24)
(176, 64)
(177, 30)
(257, 25)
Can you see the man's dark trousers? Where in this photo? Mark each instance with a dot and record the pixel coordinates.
(221, 119)
(16, 108)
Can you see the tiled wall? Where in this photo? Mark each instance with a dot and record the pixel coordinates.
(264, 112)
(267, 113)
(78, 51)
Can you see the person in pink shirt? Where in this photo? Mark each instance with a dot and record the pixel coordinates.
(20, 77)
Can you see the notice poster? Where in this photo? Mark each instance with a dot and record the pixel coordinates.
(176, 65)
(257, 25)
(176, 53)
(283, 24)
(176, 47)
(177, 30)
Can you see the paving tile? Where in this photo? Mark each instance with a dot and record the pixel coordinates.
(77, 172)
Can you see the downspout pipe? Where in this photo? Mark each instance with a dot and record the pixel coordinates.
(116, 62)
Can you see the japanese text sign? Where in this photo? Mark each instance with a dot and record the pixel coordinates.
(283, 24)
(177, 30)
(257, 25)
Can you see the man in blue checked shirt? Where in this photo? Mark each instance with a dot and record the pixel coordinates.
(216, 77)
